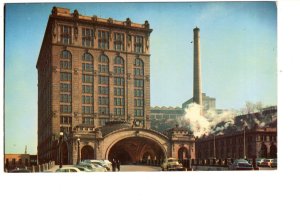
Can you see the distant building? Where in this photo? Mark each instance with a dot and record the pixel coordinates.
(209, 103)
(16, 160)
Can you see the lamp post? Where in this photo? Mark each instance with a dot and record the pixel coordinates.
(61, 134)
(78, 151)
(244, 142)
(214, 159)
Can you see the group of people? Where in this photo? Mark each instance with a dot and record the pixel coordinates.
(115, 165)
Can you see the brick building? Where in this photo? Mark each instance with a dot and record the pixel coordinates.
(90, 71)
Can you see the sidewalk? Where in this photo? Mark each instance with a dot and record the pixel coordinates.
(55, 167)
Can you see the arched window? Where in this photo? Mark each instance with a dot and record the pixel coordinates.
(138, 67)
(104, 64)
(65, 60)
(119, 60)
(87, 64)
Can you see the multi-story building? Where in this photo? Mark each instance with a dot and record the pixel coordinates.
(90, 70)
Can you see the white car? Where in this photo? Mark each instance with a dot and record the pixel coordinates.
(68, 169)
(172, 164)
(97, 163)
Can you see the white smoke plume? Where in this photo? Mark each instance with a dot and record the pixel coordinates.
(202, 125)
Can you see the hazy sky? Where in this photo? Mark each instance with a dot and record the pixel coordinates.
(238, 55)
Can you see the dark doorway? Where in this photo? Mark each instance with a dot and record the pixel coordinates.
(87, 152)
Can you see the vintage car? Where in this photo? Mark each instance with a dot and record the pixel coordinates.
(172, 164)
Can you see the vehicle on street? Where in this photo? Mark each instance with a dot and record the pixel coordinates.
(98, 162)
(82, 168)
(92, 167)
(259, 161)
(20, 170)
(172, 164)
(240, 164)
(68, 169)
(272, 162)
(266, 162)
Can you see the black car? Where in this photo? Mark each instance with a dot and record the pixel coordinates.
(240, 164)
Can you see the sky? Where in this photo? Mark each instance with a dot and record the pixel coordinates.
(238, 42)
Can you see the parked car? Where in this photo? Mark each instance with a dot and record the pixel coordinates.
(259, 161)
(68, 169)
(172, 164)
(20, 170)
(272, 162)
(92, 167)
(98, 162)
(82, 168)
(265, 163)
(240, 164)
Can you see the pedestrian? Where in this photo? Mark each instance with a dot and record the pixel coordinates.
(118, 165)
(114, 165)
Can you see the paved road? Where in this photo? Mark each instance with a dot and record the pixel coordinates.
(138, 168)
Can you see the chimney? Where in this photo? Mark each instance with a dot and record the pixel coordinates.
(197, 98)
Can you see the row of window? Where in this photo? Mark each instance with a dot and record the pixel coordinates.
(88, 35)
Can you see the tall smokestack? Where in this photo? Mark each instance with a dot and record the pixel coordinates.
(197, 70)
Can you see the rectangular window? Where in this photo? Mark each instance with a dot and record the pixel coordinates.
(138, 93)
(119, 81)
(87, 37)
(138, 44)
(65, 34)
(119, 41)
(87, 99)
(103, 80)
(103, 90)
(118, 70)
(87, 67)
(88, 89)
(87, 109)
(103, 101)
(103, 110)
(103, 39)
(65, 76)
(119, 111)
(119, 101)
(65, 108)
(138, 102)
(103, 68)
(88, 120)
(87, 78)
(118, 91)
(66, 98)
(65, 120)
(138, 112)
(138, 83)
(103, 121)
(138, 72)
(64, 64)
(65, 87)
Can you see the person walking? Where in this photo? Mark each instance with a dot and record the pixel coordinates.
(118, 165)
(114, 165)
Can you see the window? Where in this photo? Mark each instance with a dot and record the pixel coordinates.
(65, 76)
(87, 78)
(66, 60)
(87, 37)
(103, 110)
(118, 91)
(87, 99)
(65, 34)
(65, 109)
(103, 90)
(66, 98)
(87, 109)
(87, 89)
(119, 41)
(119, 101)
(65, 87)
(65, 120)
(119, 81)
(138, 44)
(138, 93)
(103, 39)
(103, 101)
(103, 66)
(103, 80)
(138, 83)
(119, 111)
(119, 60)
(103, 121)
(88, 120)
(138, 67)
(138, 102)
(118, 70)
(87, 57)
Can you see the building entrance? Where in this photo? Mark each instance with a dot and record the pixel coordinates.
(136, 149)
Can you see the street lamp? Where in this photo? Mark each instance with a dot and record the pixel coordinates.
(61, 134)
(245, 142)
(78, 153)
(214, 159)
